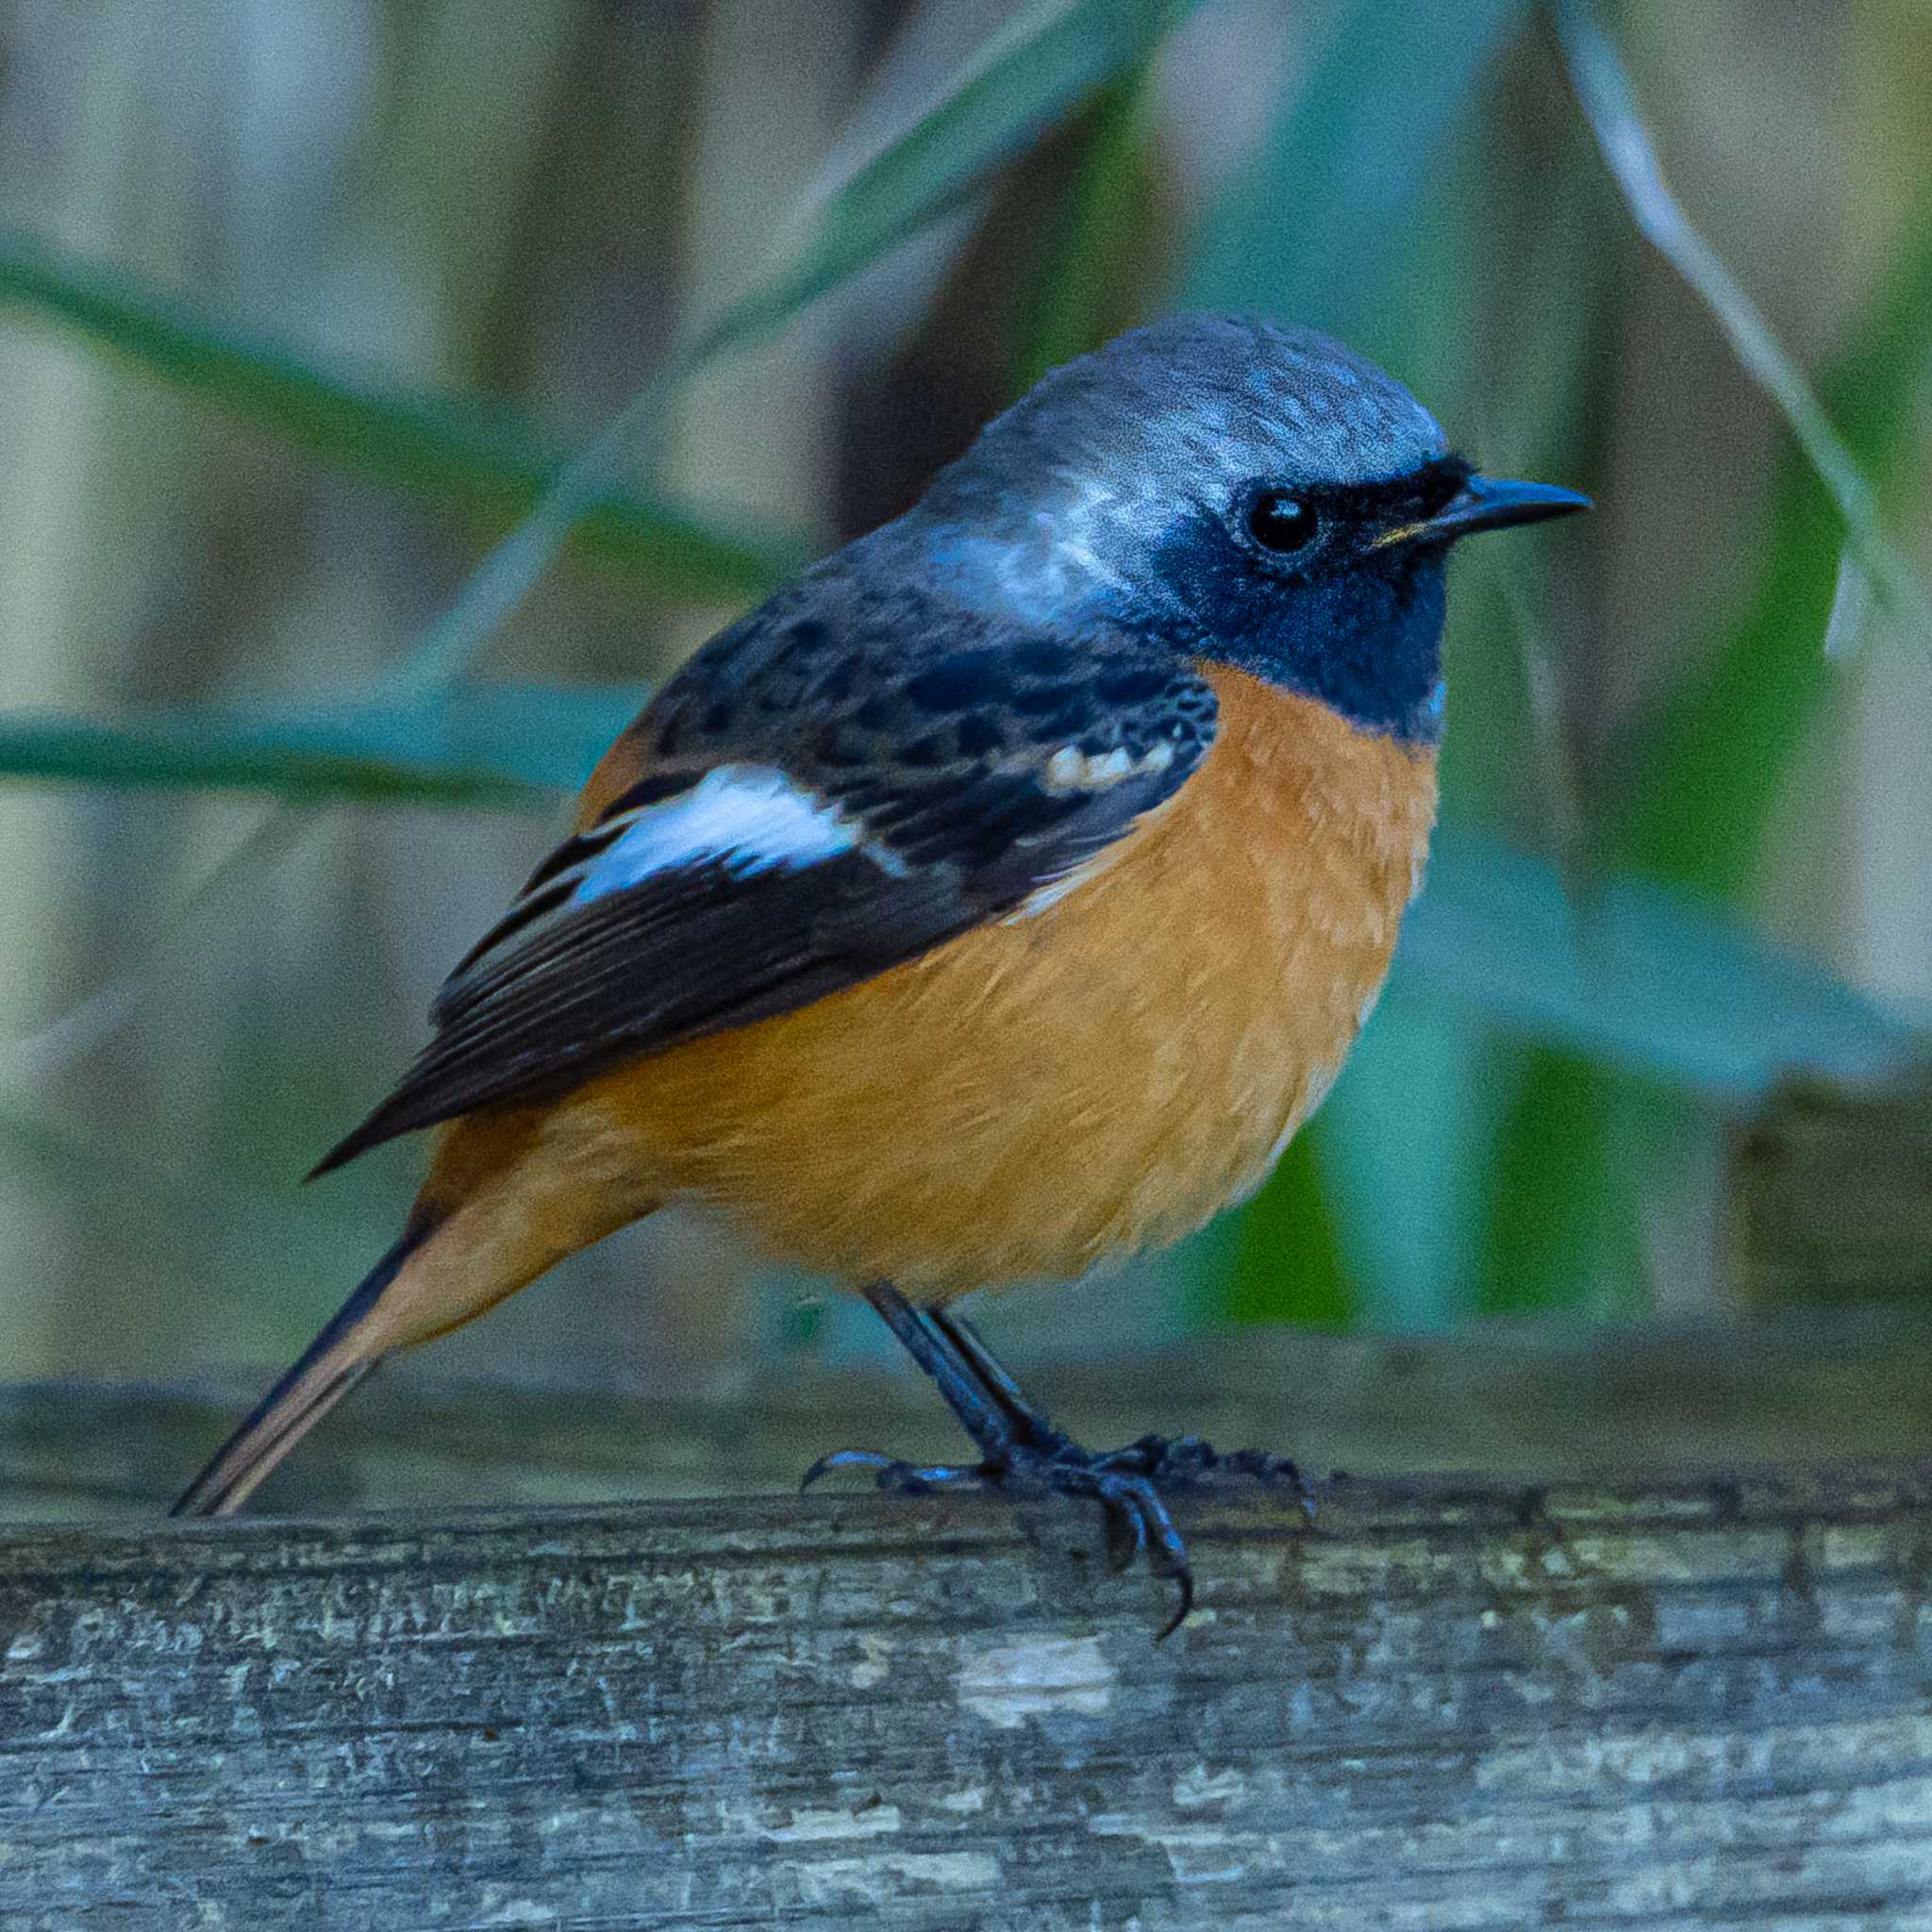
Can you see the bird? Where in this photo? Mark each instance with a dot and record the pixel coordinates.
(993, 901)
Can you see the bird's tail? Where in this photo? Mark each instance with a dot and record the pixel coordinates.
(353, 1344)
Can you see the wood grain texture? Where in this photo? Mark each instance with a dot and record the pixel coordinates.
(1469, 1705)
(1614, 1702)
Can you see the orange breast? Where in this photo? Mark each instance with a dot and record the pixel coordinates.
(1039, 1095)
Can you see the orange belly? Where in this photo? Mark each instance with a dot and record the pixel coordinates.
(1040, 1095)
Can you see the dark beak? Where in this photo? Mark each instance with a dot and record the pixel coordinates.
(1490, 503)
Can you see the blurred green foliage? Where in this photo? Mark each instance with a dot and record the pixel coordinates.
(458, 452)
(1416, 179)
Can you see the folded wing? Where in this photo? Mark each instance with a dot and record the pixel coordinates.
(815, 803)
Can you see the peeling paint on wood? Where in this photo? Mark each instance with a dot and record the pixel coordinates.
(1008, 1683)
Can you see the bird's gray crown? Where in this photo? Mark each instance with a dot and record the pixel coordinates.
(1210, 396)
(1108, 452)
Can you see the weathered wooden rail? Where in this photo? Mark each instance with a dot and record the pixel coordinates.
(1459, 1703)
(1472, 1703)
(1610, 1697)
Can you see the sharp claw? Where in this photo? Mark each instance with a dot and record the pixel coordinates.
(906, 1478)
(1126, 1482)
(851, 1459)
(1184, 1580)
(842, 1459)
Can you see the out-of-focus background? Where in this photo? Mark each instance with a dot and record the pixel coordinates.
(302, 301)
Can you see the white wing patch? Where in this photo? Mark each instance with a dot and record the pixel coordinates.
(751, 816)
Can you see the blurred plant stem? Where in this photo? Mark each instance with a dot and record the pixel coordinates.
(1700, 767)
(1585, 1144)
(1604, 88)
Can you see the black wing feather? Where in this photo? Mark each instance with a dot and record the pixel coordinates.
(936, 755)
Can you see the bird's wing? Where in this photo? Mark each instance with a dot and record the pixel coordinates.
(815, 803)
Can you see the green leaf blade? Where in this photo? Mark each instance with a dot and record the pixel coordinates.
(457, 452)
(478, 745)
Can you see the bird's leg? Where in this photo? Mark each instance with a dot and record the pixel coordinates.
(990, 1407)
(1161, 1458)
(1021, 1452)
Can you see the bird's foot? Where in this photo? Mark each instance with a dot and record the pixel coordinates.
(1127, 1483)
(1021, 1453)
(1180, 1459)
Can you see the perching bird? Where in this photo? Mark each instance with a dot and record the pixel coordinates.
(995, 901)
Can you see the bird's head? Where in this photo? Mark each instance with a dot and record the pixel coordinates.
(1261, 496)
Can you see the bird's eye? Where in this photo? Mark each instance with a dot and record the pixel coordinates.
(1281, 523)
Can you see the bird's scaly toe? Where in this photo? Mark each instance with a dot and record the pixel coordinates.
(1182, 1460)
